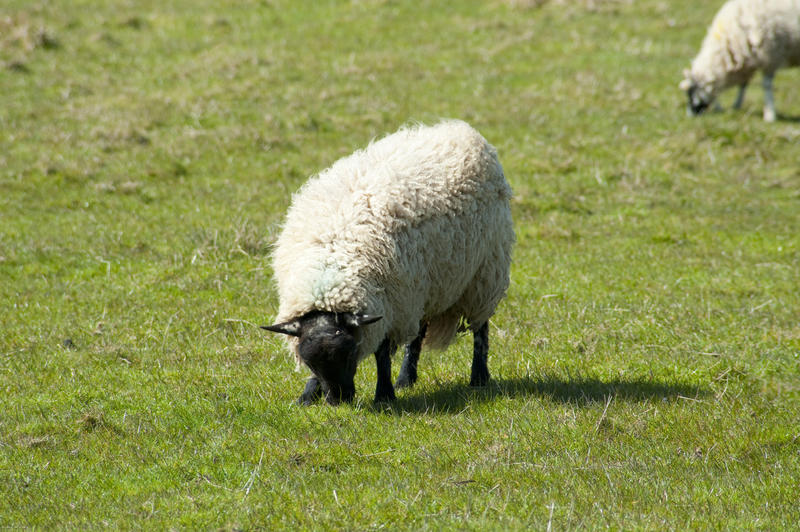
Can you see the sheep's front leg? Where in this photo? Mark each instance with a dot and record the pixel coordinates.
(311, 393)
(408, 371)
(769, 99)
(480, 355)
(384, 391)
(740, 97)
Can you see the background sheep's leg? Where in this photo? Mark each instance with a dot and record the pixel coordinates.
(311, 393)
(480, 354)
(408, 371)
(769, 99)
(740, 97)
(384, 391)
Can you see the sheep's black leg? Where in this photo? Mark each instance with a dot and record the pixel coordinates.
(740, 96)
(769, 99)
(408, 371)
(384, 391)
(480, 354)
(311, 393)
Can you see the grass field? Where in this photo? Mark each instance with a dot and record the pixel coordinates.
(646, 362)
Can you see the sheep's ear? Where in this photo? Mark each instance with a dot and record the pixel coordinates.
(292, 328)
(357, 320)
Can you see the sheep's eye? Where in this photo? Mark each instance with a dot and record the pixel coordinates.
(338, 332)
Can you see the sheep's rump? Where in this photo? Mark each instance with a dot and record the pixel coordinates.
(415, 227)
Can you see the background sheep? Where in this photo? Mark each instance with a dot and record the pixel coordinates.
(400, 242)
(745, 36)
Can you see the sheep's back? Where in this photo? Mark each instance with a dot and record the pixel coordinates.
(747, 35)
(399, 228)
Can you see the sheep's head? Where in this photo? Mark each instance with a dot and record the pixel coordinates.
(700, 95)
(328, 345)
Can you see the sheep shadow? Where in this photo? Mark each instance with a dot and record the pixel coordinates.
(787, 118)
(582, 391)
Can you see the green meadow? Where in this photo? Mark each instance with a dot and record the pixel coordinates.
(645, 363)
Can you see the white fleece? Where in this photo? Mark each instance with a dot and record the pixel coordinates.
(744, 37)
(415, 227)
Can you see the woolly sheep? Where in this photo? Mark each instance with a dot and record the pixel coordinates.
(745, 36)
(407, 240)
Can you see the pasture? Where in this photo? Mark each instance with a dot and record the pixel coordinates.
(645, 363)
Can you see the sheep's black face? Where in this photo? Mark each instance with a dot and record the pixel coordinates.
(699, 99)
(328, 345)
(329, 348)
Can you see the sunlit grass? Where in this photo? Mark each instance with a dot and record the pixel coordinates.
(645, 362)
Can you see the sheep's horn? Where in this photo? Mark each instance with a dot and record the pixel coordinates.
(292, 328)
(358, 320)
(366, 319)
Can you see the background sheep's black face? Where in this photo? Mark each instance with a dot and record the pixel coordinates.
(328, 345)
(699, 99)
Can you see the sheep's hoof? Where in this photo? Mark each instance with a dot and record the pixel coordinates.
(405, 381)
(311, 394)
(479, 379)
(385, 397)
(307, 400)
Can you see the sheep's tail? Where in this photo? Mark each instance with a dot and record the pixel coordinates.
(441, 331)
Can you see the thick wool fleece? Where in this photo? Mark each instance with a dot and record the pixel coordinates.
(744, 37)
(416, 227)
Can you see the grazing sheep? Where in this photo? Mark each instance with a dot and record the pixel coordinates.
(745, 36)
(404, 241)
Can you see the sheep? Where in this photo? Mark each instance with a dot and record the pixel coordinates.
(745, 36)
(407, 241)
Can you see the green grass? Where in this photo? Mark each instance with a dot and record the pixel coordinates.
(646, 363)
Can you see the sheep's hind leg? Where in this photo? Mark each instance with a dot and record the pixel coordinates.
(384, 391)
(311, 393)
(769, 98)
(480, 355)
(737, 104)
(408, 371)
